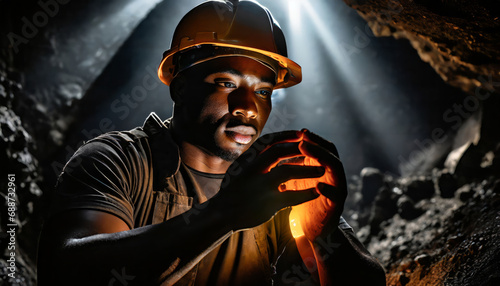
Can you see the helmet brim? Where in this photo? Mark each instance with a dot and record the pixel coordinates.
(288, 72)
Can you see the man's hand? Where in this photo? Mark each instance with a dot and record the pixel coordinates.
(250, 193)
(317, 219)
(313, 217)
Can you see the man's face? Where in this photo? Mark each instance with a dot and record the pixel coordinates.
(223, 105)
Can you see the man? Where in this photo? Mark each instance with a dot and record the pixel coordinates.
(200, 199)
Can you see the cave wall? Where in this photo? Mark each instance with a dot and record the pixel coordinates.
(39, 40)
(42, 77)
(459, 39)
(441, 228)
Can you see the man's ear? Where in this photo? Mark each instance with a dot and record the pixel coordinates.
(177, 89)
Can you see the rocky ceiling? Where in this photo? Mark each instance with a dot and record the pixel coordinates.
(460, 39)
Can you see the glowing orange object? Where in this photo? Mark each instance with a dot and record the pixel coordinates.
(295, 226)
(308, 218)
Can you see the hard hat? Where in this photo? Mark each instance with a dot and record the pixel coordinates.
(229, 28)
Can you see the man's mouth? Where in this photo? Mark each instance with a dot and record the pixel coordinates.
(241, 134)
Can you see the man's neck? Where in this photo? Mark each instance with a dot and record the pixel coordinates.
(194, 156)
(201, 160)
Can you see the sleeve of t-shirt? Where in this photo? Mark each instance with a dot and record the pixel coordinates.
(104, 174)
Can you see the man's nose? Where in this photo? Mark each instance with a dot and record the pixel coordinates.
(242, 103)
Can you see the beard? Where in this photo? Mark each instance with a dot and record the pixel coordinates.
(207, 140)
(226, 155)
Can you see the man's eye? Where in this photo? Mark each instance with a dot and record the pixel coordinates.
(264, 93)
(226, 84)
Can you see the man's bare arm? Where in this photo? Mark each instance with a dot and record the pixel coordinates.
(87, 247)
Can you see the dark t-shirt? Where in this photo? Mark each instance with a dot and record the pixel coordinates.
(137, 175)
(209, 183)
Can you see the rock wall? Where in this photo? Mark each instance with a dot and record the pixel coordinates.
(442, 227)
(21, 202)
(459, 38)
(430, 230)
(42, 78)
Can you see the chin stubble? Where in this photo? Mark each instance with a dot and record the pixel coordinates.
(209, 143)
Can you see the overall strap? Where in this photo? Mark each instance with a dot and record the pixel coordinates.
(164, 151)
